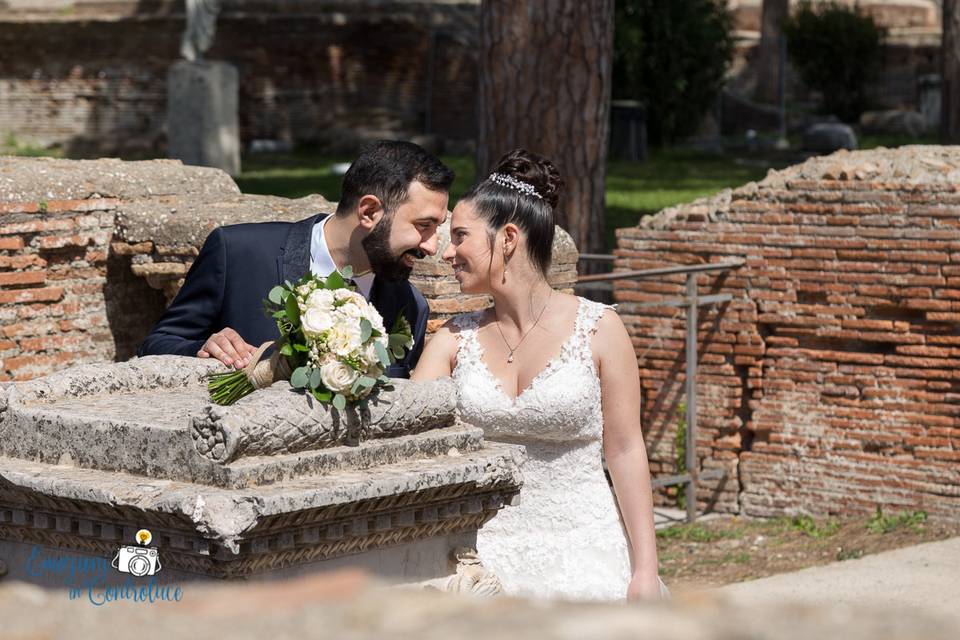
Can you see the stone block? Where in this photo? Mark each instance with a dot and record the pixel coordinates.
(202, 121)
(108, 450)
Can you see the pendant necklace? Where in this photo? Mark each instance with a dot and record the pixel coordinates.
(525, 333)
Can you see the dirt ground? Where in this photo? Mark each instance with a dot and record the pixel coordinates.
(724, 550)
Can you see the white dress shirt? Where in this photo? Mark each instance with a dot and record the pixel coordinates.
(322, 264)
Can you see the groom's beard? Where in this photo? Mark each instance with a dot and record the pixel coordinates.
(382, 261)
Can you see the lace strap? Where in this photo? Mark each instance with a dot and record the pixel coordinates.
(588, 315)
(466, 324)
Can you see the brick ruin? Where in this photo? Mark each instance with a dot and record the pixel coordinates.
(91, 252)
(829, 384)
(315, 72)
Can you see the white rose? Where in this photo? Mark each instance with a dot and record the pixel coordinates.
(338, 377)
(317, 316)
(352, 311)
(320, 299)
(316, 321)
(376, 320)
(370, 357)
(341, 295)
(344, 337)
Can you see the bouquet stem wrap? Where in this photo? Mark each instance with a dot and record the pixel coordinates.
(227, 388)
(264, 373)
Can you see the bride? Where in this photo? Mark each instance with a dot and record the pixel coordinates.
(557, 374)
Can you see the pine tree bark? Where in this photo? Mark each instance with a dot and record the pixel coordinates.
(768, 53)
(950, 60)
(545, 83)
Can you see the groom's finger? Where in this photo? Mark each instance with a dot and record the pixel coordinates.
(214, 348)
(243, 350)
(222, 348)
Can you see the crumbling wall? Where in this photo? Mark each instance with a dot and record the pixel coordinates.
(829, 383)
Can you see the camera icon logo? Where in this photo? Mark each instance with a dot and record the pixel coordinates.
(138, 560)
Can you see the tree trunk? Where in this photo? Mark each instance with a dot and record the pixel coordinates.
(950, 60)
(768, 53)
(545, 82)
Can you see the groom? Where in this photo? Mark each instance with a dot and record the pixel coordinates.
(393, 198)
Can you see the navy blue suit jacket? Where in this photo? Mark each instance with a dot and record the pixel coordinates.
(234, 272)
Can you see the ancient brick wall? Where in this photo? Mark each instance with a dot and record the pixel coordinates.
(829, 384)
(92, 251)
(91, 76)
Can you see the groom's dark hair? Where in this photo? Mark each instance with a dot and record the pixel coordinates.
(386, 168)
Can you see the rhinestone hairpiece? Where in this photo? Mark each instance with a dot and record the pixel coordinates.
(510, 182)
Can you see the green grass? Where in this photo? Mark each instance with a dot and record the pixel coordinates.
(696, 532)
(669, 178)
(813, 529)
(882, 523)
(11, 146)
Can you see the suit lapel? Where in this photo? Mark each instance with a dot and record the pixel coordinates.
(383, 298)
(294, 260)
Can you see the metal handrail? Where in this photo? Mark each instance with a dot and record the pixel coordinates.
(662, 271)
(692, 301)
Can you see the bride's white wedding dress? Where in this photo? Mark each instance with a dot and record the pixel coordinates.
(565, 539)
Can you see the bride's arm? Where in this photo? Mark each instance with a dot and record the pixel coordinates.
(624, 450)
(436, 361)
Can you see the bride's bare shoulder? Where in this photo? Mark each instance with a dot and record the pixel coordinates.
(611, 334)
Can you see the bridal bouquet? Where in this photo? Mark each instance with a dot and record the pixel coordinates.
(332, 344)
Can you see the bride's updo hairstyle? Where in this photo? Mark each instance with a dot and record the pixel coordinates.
(523, 190)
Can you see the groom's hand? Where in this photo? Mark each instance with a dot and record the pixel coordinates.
(229, 348)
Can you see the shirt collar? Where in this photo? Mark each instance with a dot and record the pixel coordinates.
(322, 264)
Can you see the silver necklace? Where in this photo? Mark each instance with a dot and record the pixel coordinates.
(525, 333)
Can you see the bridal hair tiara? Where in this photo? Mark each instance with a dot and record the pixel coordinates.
(510, 182)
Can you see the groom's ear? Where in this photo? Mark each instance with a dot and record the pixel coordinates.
(369, 211)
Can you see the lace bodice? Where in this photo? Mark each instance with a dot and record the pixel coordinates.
(565, 538)
(562, 402)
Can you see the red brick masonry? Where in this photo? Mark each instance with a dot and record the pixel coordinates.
(830, 384)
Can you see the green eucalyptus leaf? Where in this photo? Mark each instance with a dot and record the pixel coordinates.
(300, 377)
(382, 353)
(340, 402)
(366, 329)
(315, 378)
(286, 350)
(300, 347)
(347, 272)
(366, 382)
(276, 295)
(322, 395)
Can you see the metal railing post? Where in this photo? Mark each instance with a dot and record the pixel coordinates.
(692, 302)
(691, 435)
